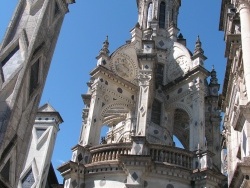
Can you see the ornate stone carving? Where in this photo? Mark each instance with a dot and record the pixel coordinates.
(144, 78)
(124, 67)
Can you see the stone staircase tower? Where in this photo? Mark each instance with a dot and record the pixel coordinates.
(25, 55)
(149, 91)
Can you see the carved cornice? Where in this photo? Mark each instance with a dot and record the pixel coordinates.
(242, 114)
(104, 71)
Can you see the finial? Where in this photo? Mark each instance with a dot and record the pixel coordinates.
(105, 47)
(180, 36)
(198, 48)
(213, 79)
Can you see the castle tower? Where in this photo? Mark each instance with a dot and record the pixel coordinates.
(235, 22)
(25, 55)
(41, 145)
(149, 91)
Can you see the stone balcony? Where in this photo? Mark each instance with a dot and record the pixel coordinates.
(159, 154)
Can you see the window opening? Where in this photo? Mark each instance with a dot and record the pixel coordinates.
(10, 55)
(162, 15)
(156, 112)
(34, 76)
(28, 180)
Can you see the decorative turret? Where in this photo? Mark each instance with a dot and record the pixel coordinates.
(213, 79)
(214, 86)
(198, 56)
(103, 53)
(105, 46)
(151, 96)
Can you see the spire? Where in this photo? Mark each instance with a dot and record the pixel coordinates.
(213, 85)
(199, 53)
(198, 48)
(105, 46)
(213, 79)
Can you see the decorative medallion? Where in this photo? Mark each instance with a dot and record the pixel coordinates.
(124, 67)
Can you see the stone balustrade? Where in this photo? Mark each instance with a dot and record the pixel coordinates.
(159, 153)
(109, 152)
(171, 155)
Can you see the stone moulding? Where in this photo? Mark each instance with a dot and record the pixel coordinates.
(241, 115)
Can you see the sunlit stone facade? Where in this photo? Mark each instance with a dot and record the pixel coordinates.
(147, 92)
(235, 22)
(25, 56)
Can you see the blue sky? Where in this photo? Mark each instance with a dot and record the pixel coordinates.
(83, 31)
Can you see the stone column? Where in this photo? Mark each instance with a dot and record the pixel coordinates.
(91, 129)
(197, 126)
(244, 10)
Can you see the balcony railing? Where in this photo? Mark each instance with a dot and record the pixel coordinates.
(171, 155)
(109, 152)
(159, 153)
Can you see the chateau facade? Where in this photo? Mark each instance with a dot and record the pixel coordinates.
(235, 22)
(148, 91)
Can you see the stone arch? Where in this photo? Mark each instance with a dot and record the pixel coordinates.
(181, 120)
(180, 105)
(114, 112)
(116, 116)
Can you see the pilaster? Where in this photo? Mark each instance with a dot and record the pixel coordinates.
(197, 132)
(92, 126)
(243, 7)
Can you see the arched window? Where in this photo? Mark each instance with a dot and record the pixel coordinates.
(150, 14)
(162, 15)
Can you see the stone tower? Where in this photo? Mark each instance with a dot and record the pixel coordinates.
(235, 22)
(147, 92)
(41, 146)
(25, 56)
